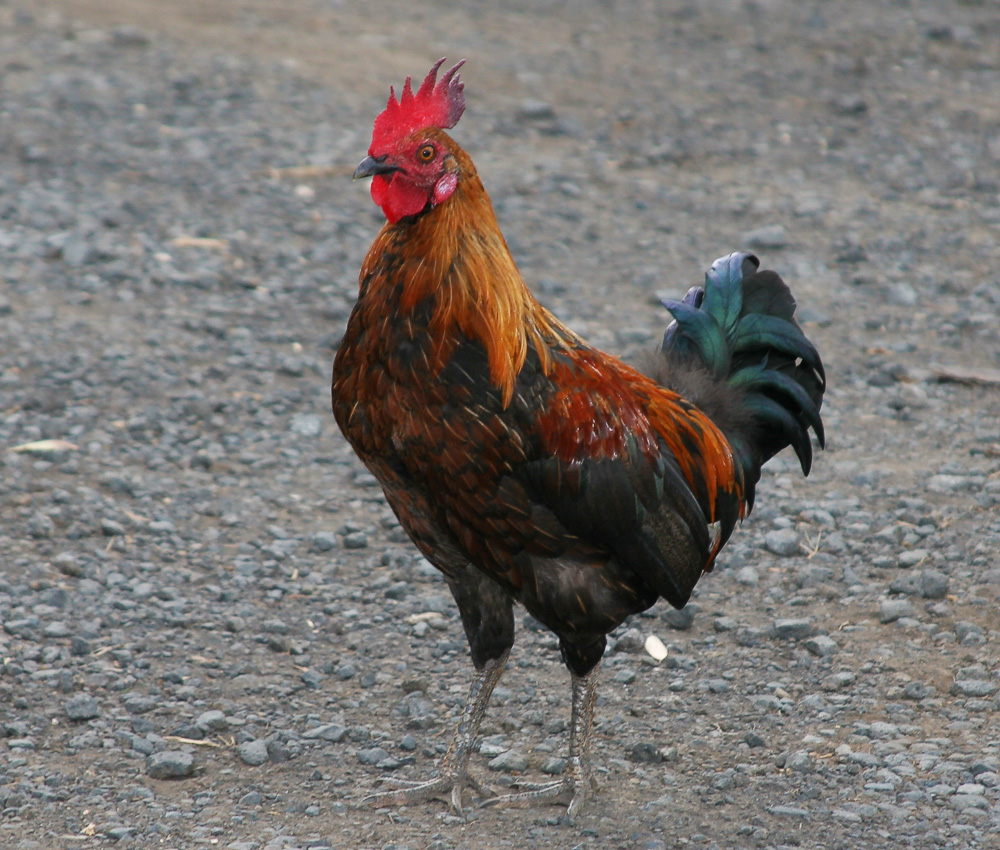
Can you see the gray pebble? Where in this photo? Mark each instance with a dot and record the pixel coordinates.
(509, 762)
(211, 721)
(306, 425)
(772, 236)
(251, 798)
(253, 753)
(907, 583)
(799, 761)
(973, 688)
(789, 811)
(554, 766)
(783, 542)
(355, 540)
(323, 541)
(82, 707)
(631, 640)
(140, 703)
(912, 557)
(792, 629)
(372, 755)
(839, 680)
(328, 732)
(170, 764)
(536, 110)
(681, 620)
(934, 584)
(112, 528)
(892, 609)
(969, 634)
(821, 646)
(917, 691)
(645, 752)
(947, 483)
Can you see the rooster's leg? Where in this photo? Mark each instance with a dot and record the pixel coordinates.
(455, 766)
(578, 783)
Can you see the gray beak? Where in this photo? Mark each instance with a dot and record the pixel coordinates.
(370, 166)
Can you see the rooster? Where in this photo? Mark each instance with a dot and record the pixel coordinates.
(529, 466)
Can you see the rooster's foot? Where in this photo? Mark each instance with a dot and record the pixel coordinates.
(448, 787)
(573, 791)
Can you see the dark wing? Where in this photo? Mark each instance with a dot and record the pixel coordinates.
(632, 469)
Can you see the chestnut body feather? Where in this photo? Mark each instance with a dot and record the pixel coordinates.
(507, 445)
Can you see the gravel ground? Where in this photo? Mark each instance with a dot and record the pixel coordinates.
(214, 633)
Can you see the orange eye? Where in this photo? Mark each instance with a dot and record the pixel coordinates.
(426, 153)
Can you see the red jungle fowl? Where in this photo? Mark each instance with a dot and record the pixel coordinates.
(527, 465)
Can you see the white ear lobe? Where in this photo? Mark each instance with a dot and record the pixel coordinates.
(445, 186)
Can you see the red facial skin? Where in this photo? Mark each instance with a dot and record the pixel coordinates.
(426, 176)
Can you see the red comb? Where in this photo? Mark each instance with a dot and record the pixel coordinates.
(436, 104)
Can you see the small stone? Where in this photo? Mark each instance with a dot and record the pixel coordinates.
(947, 483)
(56, 629)
(140, 703)
(323, 541)
(840, 680)
(681, 620)
(772, 236)
(792, 629)
(355, 540)
(372, 755)
(253, 753)
(865, 759)
(969, 634)
(907, 583)
(629, 641)
(973, 688)
(799, 761)
(753, 740)
(211, 721)
(789, 811)
(536, 110)
(645, 752)
(912, 558)
(822, 646)
(509, 762)
(328, 732)
(783, 542)
(747, 576)
(112, 528)
(892, 609)
(68, 564)
(917, 691)
(312, 679)
(80, 646)
(82, 707)
(554, 766)
(933, 584)
(170, 764)
(252, 798)
(307, 425)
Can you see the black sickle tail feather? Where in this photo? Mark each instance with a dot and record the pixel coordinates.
(735, 350)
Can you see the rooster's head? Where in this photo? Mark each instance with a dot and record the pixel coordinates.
(409, 159)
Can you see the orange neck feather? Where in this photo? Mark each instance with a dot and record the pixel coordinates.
(456, 254)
